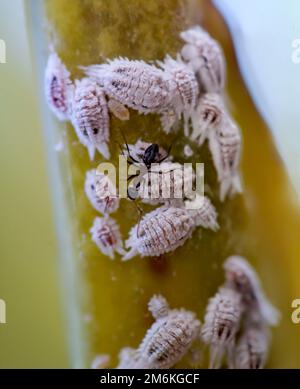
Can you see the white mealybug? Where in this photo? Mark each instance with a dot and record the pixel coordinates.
(251, 351)
(90, 116)
(106, 234)
(212, 121)
(241, 276)
(206, 57)
(166, 341)
(203, 212)
(165, 229)
(207, 116)
(166, 182)
(221, 323)
(225, 147)
(160, 231)
(58, 87)
(101, 192)
(185, 98)
(135, 84)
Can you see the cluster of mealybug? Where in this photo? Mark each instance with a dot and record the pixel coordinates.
(188, 86)
(166, 341)
(235, 325)
(239, 311)
(83, 103)
(238, 317)
(103, 196)
(212, 121)
(167, 228)
(170, 90)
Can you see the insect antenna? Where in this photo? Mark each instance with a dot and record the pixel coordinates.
(127, 147)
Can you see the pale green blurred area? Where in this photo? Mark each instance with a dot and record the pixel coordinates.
(34, 336)
(263, 33)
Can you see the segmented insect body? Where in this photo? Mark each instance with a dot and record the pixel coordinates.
(185, 98)
(160, 231)
(166, 182)
(163, 230)
(206, 57)
(221, 323)
(252, 348)
(106, 234)
(90, 116)
(101, 192)
(166, 341)
(211, 121)
(203, 212)
(208, 116)
(135, 84)
(225, 147)
(242, 277)
(58, 87)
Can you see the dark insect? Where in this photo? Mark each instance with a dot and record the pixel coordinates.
(151, 155)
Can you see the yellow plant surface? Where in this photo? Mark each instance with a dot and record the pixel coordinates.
(262, 224)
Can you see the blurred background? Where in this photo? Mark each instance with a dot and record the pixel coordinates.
(29, 276)
(34, 335)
